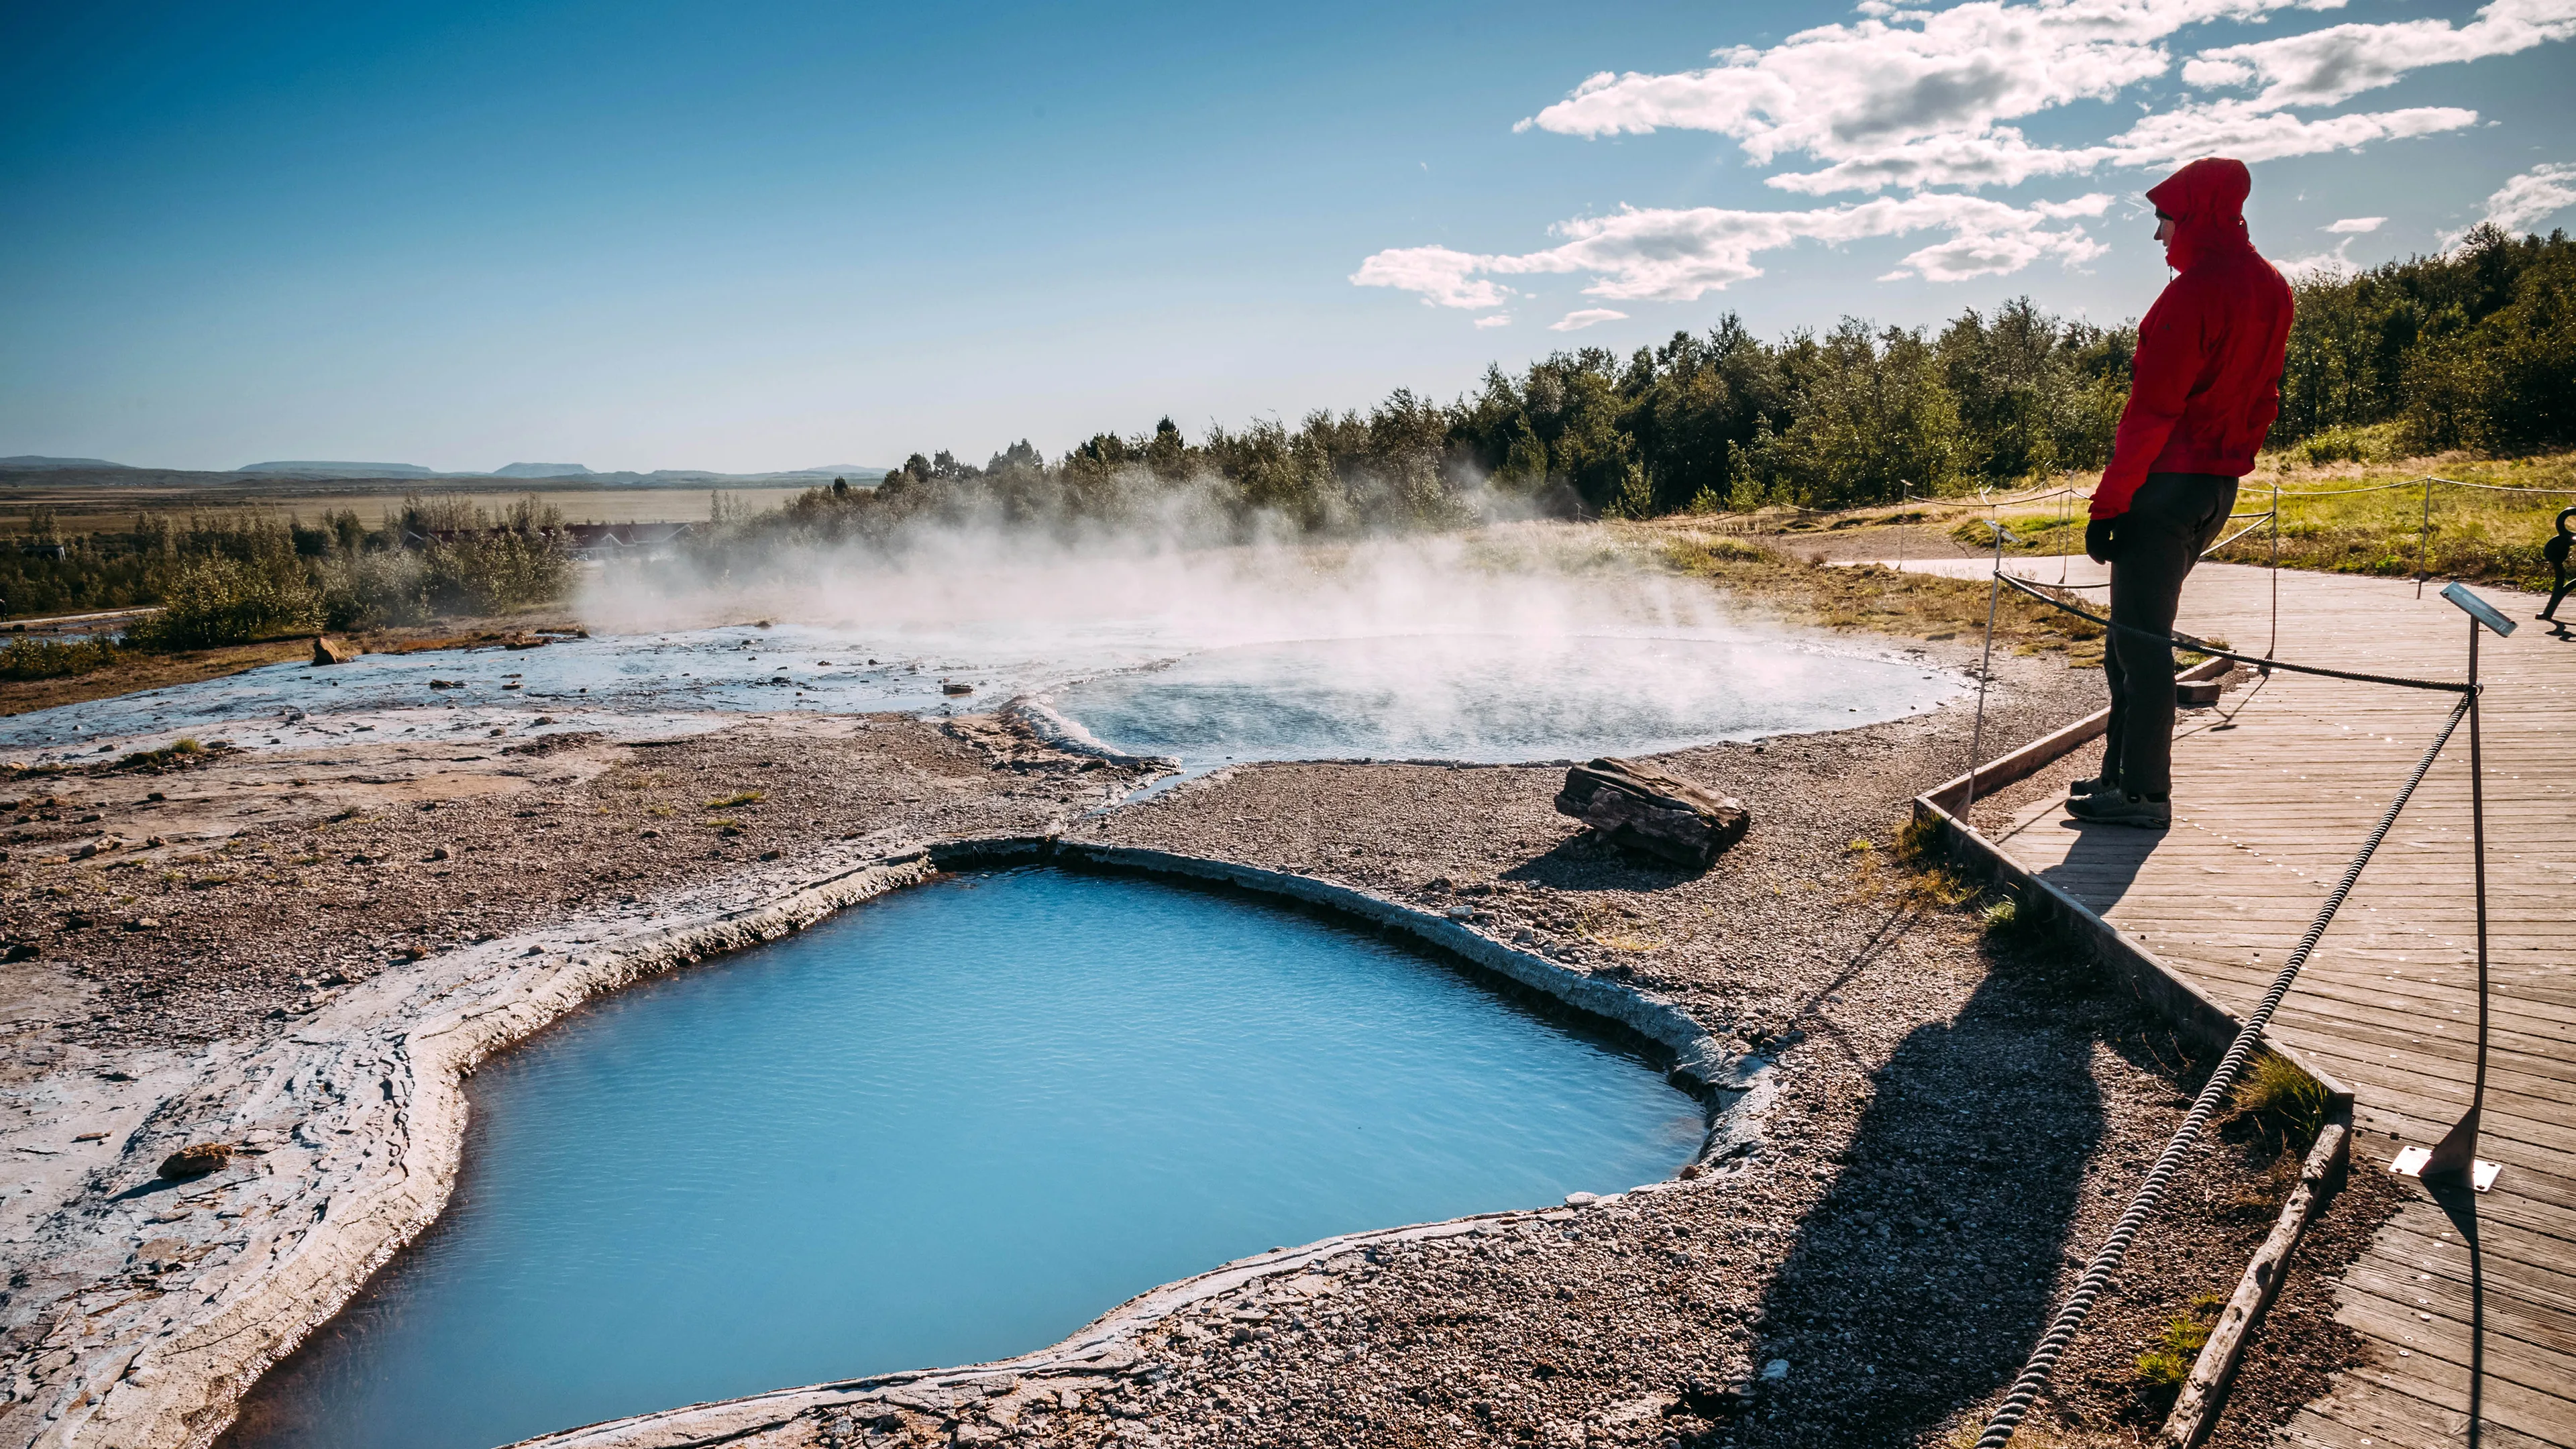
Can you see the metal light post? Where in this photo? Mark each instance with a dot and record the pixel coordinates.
(2454, 1160)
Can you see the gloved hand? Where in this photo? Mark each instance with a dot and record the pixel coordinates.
(2097, 539)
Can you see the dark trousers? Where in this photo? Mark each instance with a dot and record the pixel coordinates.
(2173, 517)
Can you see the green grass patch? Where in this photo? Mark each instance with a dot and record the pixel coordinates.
(2166, 1365)
(2477, 534)
(739, 797)
(1886, 601)
(2280, 1098)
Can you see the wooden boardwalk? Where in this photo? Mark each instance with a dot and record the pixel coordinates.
(2274, 790)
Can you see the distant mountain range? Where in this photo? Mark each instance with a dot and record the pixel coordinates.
(309, 471)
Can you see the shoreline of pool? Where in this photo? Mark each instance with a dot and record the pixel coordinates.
(368, 1116)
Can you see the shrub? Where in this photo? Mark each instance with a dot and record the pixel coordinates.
(494, 573)
(373, 590)
(55, 658)
(226, 601)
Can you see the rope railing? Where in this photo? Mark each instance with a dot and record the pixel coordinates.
(2115, 1249)
(2417, 481)
(2099, 1273)
(2258, 661)
(2424, 528)
(2260, 519)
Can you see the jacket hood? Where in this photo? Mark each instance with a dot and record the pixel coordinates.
(2206, 199)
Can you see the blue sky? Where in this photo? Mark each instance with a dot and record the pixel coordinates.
(771, 236)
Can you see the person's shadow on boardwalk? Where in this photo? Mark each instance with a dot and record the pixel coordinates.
(2103, 862)
(1930, 1266)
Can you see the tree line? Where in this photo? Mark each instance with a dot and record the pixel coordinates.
(2473, 348)
(230, 577)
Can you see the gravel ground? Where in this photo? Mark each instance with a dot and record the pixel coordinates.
(245, 883)
(1960, 1120)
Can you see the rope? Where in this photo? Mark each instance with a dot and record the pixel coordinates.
(2204, 553)
(2259, 661)
(2240, 533)
(2106, 1262)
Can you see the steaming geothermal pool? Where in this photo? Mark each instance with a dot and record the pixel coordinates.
(1485, 698)
(1472, 696)
(949, 1125)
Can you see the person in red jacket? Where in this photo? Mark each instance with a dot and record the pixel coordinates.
(2207, 384)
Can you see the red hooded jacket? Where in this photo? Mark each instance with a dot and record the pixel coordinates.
(2208, 374)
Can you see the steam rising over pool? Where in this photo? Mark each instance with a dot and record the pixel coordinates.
(1487, 698)
(1151, 691)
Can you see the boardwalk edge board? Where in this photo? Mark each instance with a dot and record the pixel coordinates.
(2190, 1011)
(2195, 1413)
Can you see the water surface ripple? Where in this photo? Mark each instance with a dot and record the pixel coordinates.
(949, 1125)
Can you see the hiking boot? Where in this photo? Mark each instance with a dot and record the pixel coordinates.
(2117, 807)
(2095, 786)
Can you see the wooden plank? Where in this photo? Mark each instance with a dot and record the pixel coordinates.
(2525, 1387)
(2393, 1421)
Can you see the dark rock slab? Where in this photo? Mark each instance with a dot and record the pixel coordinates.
(1644, 811)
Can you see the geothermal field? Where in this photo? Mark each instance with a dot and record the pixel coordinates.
(1165, 980)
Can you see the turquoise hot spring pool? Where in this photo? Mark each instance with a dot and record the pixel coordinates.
(951, 1124)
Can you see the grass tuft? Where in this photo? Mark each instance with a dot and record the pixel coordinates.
(169, 754)
(739, 797)
(2005, 918)
(2279, 1097)
(2167, 1366)
(1918, 838)
(1943, 888)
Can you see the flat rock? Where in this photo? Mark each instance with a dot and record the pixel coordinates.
(197, 1159)
(1643, 810)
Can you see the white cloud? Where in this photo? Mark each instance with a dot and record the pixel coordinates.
(2354, 224)
(1499, 319)
(1915, 98)
(1439, 274)
(2000, 157)
(2336, 263)
(1909, 99)
(1577, 321)
(2322, 67)
(2247, 132)
(1680, 255)
(1839, 92)
(2533, 197)
(2232, 128)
